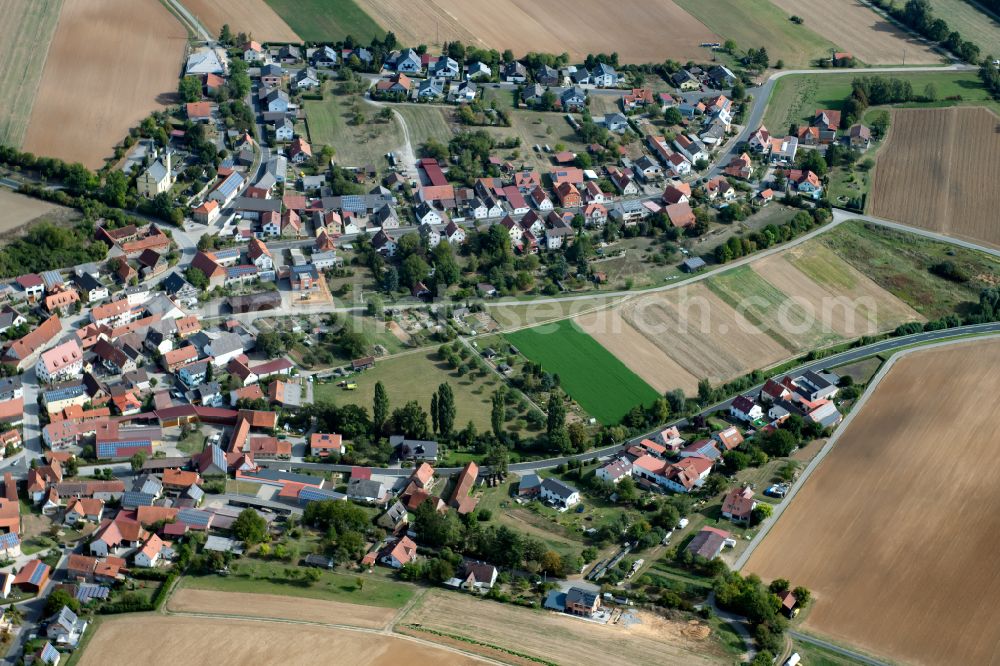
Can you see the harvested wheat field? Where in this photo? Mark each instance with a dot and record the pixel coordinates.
(17, 210)
(638, 30)
(693, 329)
(111, 63)
(846, 303)
(895, 531)
(561, 639)
(24, 42)
(194, 641)
(939, 170)
(254, 17)
(857, 29)
(637, 351)
(275, 606)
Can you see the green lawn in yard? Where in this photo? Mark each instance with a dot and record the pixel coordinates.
(417, 376)
(899, 262)
(270, 578)
(329, 123)
(757, 23)
(327, 20)
(796, 97)
(602, 385)
(192, 443)
(978, 27)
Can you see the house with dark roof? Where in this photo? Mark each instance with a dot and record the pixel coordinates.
(709, 542)
(559, 494)
(582, 602)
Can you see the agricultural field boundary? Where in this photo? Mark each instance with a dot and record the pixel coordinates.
(765, 528)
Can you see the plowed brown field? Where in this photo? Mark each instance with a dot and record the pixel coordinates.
(110, 64)
(939, 171)
(254, 17)
(895, 531)
(158, 640)
(856, 28)
(638, 30)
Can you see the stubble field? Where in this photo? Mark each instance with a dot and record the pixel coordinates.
(562, 639)
(25, 33)
(751, 317)
(274, 606)
(856, 28)
(254, 17)
(939, 170)
(17, 210)
(639, 30)
(893, 533)
(111, 63)
(196, 641)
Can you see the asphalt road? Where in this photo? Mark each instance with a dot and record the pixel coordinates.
(834, 360)
(850, 654)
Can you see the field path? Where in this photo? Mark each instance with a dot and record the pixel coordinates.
(406, 155)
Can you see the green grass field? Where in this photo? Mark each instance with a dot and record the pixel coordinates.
(24, 44)
(757, 23)
(974, 25)
(764, 304)
(329, 122)
(269, 578)
(416, 377)
(899, 262)
(327, 20)
(796, 97)
(603, 386)
(424, 123)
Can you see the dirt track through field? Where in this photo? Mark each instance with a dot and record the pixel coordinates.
(157, 640)
(638, 30)
(894, 533)
(254, 17)
(111, 63)
(857, 29)
(274, 606)
(939, 171)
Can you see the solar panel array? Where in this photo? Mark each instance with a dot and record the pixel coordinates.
(40, 570)
(194, 517)
(132, 498)
(313, 494)
(9, 540)
(85, 592)
(123, 448)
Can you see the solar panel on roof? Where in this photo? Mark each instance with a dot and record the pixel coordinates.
(193, 517)
(49, 655)
(9, 540)
(131, 498)
(38, 573)
(312, 494)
